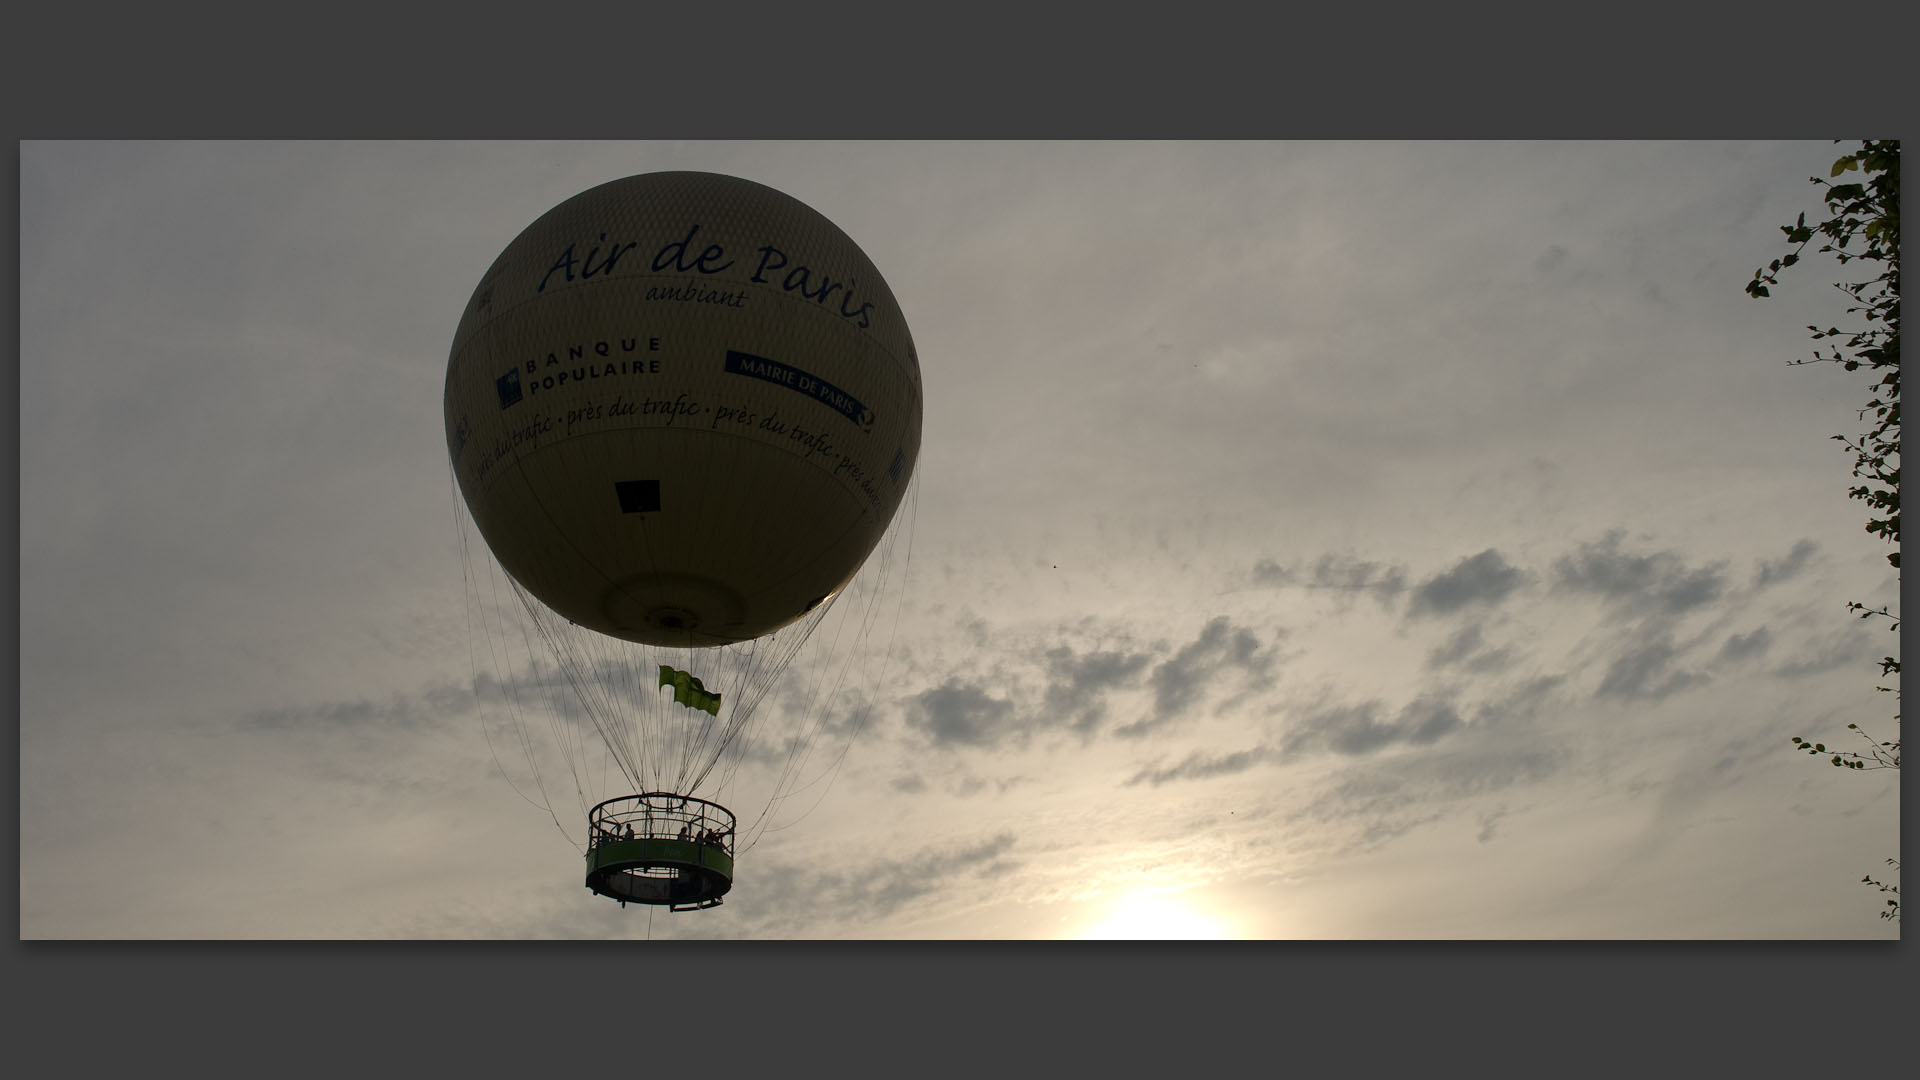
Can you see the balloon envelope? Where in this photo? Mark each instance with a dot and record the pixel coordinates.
(682, 409)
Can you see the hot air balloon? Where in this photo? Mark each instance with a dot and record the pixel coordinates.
(682, 409)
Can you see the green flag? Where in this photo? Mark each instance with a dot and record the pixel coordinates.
(688, 691)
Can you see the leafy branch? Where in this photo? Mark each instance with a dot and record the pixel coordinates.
(1868, 212)
(1893, 905)
(1879, 755)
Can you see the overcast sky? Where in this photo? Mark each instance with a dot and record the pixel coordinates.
(1312, 540)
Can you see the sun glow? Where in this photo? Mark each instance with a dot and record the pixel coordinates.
(1154, 917)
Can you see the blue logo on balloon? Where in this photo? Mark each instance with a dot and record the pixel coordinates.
(509, 387)
(773, 371)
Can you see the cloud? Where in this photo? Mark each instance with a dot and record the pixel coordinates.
(548, 716)
(1351, 574)
(1512, 741)
(1776, 571)
(891, 883)
(1345, 729)
(1078, 683)
(1183, 680)
(1695, 588)
(1465, 642)
(1656, 583)
(958, 712)
(1741, 646)
(1491, 660)
(1472, 769)
(1386, 797)
(1078, 667)
(1467, 648)
(791, 898)
(1355, 730)
(1833, 650)
(1483, 580)
(887, 884)
(1426, 720)
(1335, 572)
(1200, 765)
(1518, 707)
(430, 708)
(1380, 830)
(1488, 821)
(1501, 729)
(965, 785)
(1268, 574)
(1645, 672)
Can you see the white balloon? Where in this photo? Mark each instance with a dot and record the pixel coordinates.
(682, 408)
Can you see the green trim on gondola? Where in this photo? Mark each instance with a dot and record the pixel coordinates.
(657, 851)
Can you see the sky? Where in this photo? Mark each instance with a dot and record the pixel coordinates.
(1351, 540)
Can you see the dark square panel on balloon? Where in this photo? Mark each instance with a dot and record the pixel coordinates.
(508, 386)
(637, 496)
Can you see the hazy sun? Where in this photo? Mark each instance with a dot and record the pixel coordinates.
(1154, 917)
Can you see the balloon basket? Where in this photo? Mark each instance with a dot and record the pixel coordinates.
(672, 851)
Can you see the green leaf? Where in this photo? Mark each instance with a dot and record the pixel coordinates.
(1845, 164)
